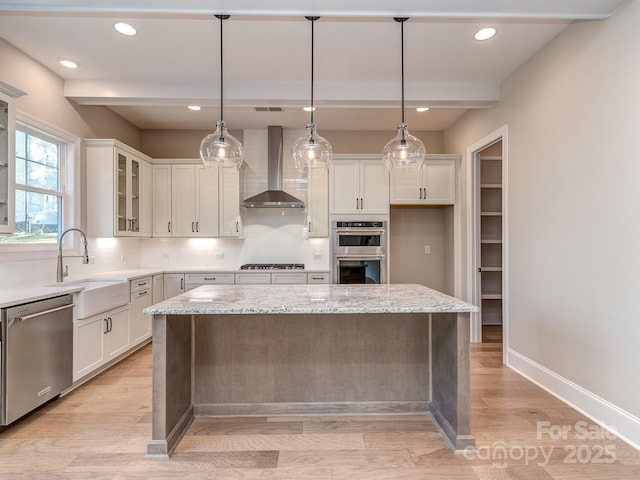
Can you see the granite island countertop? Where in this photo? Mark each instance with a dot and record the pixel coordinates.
(310, 299)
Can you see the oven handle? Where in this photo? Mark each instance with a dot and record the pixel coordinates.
(45, 312)
(359, 257)
(360, 232)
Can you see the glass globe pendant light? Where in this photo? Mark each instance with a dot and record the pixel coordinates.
(220, 147)
(404, 150)
(311, 150)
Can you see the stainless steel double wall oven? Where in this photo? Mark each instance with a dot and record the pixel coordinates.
(359, 251)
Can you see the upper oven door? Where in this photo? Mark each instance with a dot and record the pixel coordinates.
(353, 241)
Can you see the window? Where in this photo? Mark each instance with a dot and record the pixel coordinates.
(39, 187)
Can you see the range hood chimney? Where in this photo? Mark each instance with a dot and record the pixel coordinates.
(274, 196)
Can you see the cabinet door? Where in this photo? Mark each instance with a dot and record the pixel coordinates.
(318, 202)
(439, 182)
(146, 199)
(206, 217)
(122, 194)
(374, 187)
(344, 192)
(139, 322)
(157, 292)
(7, 158)
(253, 278)
(230, 220)
(162, 200)
(406, 185)
(117, 338)
(88, 349)
(183, 195)
(134, 203)
(288, 278)
(173, 285)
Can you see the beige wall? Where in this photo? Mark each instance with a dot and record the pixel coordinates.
(410, 230)
(46, 102)
(573, 121)
(186, 143)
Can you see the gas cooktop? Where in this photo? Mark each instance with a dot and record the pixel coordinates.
(272, 266)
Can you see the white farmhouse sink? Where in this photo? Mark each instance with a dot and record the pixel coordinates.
(98, 295)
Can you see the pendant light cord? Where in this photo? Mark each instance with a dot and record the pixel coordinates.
(402, 63)
(312, 21)
(221, 73)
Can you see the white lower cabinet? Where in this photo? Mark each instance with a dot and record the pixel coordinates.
(141, 298)
(99, 339)
(288, 278)
(157, 292)
(253, 278)
(173, 285)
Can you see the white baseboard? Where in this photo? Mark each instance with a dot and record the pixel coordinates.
(625, 425)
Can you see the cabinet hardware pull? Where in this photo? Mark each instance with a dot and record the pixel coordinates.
(420, 193)
(106, 326)
(169, 226)
(209, 278)
(182, 284)
(110, 324)
(192, 227)
(142, 294)
(237, 226)
(357, 204)
(425, 193)
(197, 226)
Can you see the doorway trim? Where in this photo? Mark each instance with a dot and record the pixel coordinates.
(473, 231)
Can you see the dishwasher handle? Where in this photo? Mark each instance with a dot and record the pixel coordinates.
(44, 312)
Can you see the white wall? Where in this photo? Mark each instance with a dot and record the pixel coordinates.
(573, 119)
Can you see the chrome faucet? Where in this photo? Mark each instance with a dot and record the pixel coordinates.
(85, 256)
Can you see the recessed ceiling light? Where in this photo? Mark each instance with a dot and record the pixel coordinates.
(125, 29)
(309, 109)
(67, 62)
(485, 33)
(422, 109)
(195, 108)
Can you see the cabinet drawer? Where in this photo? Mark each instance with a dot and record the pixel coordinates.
(140, 284)
(318, 277)
(208, 278)
(253, 278)
(288, 278)
(140, 293)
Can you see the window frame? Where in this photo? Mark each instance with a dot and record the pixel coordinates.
(70, 156)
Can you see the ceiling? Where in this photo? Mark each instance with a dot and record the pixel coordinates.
(174, 61)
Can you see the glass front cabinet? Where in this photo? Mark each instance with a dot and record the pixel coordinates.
(7, 134)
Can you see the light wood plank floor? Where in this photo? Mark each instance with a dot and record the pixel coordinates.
(100, 432)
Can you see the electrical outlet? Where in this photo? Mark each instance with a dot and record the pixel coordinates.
(427, 249)
(219, 256)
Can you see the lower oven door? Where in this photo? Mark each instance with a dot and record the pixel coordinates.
(360, 269)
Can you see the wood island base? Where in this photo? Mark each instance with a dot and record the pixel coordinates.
(309, 364)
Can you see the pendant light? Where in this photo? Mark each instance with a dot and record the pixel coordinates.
(220, 147)
(404, 150)
(311, 150)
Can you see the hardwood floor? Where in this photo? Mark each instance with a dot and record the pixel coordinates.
(100, 432)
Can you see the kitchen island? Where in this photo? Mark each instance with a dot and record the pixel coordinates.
(238, 350)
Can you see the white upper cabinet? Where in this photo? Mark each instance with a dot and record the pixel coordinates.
(230, 221)
(434, 184)
(318, 202)
(190, 200)
(7, 156)
(194, 201)
(162, 200)
(119, 192)
(358, 185)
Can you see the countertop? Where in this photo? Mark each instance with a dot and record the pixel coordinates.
(310, 298)
(18, 296)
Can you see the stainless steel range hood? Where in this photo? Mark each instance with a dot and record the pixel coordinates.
(274, 196)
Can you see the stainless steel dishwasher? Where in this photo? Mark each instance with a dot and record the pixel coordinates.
(36, 352)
